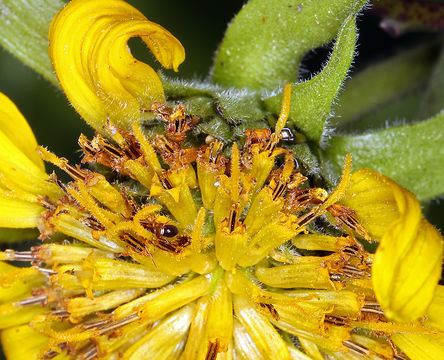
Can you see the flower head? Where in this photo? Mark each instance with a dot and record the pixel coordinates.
(217, 251)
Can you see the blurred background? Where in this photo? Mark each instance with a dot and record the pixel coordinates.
(200, 26)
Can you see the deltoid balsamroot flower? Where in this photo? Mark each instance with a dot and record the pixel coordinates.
(192, 252)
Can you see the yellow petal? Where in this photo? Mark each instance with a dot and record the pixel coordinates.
(407, 263)
(220, 319)
(82, 305)
(308, 272)
(196, 348)
(15, 127)
(267, 340)
(108, 274)
(160, 342)
(17, 282)
(244, 346)
(435, 312)
(420, 347)
(12, 314)
(16, 213)
(22, 174)
(173, 299)
(23, 343)
(370, 194)
(103, 81)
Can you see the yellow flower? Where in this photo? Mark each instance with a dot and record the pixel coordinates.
(407, 264)
(89, 52)
(190, 253)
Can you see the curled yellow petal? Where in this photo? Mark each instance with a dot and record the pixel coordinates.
(370, 195)
(89, 52)
(407, 263)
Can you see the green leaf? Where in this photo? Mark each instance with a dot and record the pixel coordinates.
(24, 26)
(223, 113)
(384, 82)
(311, 100)
(411, 154)
(266, 41)
(400, 111)
(433, 101)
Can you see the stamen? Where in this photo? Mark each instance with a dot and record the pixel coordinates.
(61, 313)
(357, 348)
(33, 300)
(95, 324)
(93, 223)
(347, 217)
(134, 242)
(337, 320)
(272, 143)
(279, 190)
(271, 309)
(53, 178)
(75, 172)
(372, 307)
(232, 219)
(162, 110)
(48, 204)
(109, 328)
(163, 178)
(213, 350)
(354, 272)
(351, 250)
(89, 353)
(215, 150)
(13, 255)
(50, 354)
(44, 271)
(306, 218)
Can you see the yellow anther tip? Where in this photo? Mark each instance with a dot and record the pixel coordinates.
(285, 110)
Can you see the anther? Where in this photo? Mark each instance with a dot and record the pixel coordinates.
(165, 181)
(357, 348)
(21, 255)
(109, 328)
(271, 309)
(372, 307)
(33, 300)
(46, 271)
(89, 353)
(213, 350)
(232, 219)
(61, 313)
